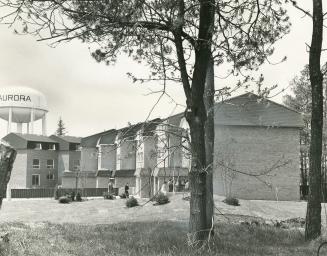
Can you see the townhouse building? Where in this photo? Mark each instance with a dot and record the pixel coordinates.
(42, 160)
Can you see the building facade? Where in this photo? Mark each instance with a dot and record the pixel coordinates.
(256, 154)
(42, 160)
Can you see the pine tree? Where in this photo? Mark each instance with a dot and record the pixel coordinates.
(61, 130)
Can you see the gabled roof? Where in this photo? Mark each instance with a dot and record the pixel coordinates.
(19, 141)
(150, 127)
(251, 110)
(69, 139)
(129, 132)
(35, 138)
(108, 138)
(92, 140)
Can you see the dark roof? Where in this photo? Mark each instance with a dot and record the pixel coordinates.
(80, 174)
(69, 139)
(36, 138)
(104, 173)
(123, 173)
(31, 137)
(108, 138)
(170, 172)
(129, 132)
(150, 127)
(92, 140)
(250, 110)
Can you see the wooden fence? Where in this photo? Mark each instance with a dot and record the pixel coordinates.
(49, 192)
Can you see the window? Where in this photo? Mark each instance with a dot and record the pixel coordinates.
(76, 164)
(50, 176)
(36, 163)
(35, 179)
(52, 146)
(38, 146)
(50, 163)
(74, 146)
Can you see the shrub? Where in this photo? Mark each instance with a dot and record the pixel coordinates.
(78, 197)
(72, 196)
(162, 199)
(64, 200)
(122, 195)
(56, 194)
(231, 201)
(131, 202)
(107, 195)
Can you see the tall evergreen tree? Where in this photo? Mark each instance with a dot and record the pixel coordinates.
(61, 129)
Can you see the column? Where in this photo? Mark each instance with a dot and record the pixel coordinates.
(28, 128)
(44, 125)
(9, 121)
(8, 192)
(19, 127)
(32, 121)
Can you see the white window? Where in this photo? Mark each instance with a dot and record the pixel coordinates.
(35, 179)
(50, 176)
(50, 163)
(76, 164)
(36, 163)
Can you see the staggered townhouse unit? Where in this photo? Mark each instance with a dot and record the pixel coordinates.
(41, 160)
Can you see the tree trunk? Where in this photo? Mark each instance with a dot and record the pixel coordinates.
(313, 217)
(7, 158)
(209, 140)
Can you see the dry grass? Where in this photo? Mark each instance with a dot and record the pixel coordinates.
(114, 229)
(152, 238)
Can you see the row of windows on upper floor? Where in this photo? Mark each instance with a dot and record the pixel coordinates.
(51, 146)
(36, 164)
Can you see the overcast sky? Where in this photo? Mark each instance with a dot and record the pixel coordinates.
(92, 97)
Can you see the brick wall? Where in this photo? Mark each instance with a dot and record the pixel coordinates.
(255, 150)
(74, 155)
(102, 182)
(43, 171)
(89, 159)
(18, 175)
(128, 154)
(107, 158)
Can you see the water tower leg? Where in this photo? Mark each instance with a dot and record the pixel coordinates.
(44, 125)
(19, 127)
(9, 121)
(32, 121)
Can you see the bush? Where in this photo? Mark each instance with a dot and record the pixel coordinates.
(56, 194)
(122, 195)
(72, 196)
(231, 201)
(131, 202)
(107, 195)
(162, 199)
(78, 197)
(64, 200)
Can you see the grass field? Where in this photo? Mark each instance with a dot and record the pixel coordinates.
(100, 211)
(107, 227)
(150, 238)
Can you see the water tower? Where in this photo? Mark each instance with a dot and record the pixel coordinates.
(23, 105)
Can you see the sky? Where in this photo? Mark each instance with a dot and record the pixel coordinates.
(91, 97)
